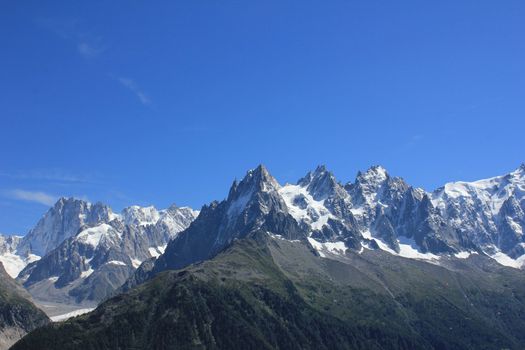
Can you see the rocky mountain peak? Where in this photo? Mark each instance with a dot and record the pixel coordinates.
(376, 174)
(60, 222)
(368, 186)
(322, 184)
(254, 203)
(135, 215)
(8, 243)
(262, 178)
(519, 174)
(255, 180)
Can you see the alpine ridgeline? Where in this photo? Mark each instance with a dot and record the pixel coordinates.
(376, 211)
(374, 264)
(79, 252)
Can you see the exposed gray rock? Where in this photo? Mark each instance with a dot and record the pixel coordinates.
(18, 315)
(88, 266)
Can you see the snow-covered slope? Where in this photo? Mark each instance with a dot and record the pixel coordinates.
(69, 216)
(89, 265)
(60, 222)
(13, 263)
(374, 211)
(490, 213)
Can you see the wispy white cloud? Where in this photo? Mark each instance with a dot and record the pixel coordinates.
(131, 85)
(89, 50)
(32, 196)
(74, 31)
(59, 175)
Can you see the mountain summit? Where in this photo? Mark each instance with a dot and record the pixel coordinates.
(252, 204)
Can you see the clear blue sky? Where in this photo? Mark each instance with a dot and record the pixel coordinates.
(135, 102)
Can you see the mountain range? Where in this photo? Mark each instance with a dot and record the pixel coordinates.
(79, 253)
(376, 211)
(371, 263)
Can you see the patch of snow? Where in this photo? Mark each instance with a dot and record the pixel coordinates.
(408, 249)
(282, 238)
(53, 279)
(116, 262)
(464, 255)
(321, 215)
(177, 220)
(64, 317)
(515, 226)
(317, 246)
(136, 263)
(375, 174)
(14, 263)
(366, 234)
(157, 251)
(141, 216)
(358, 211)
(334, 248)
(94, 235)
(86, 273)
(505, 260)
(113, 216)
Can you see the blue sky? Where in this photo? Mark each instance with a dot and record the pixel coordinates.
(130, 102)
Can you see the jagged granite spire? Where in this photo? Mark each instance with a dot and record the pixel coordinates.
(322, 184)
(254, 203)
(255, 181)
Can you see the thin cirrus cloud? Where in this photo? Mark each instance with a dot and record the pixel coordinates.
(32, 196)
(75, 31)
(88, 50)
(89, 45)
(51, 175)
(131, 85)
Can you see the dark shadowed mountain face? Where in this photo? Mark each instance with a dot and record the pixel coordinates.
(253, 203)
(267, 292)
(18, 315)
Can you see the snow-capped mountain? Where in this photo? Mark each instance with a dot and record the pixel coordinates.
(490, 213)
(321, 205)
(376, 211)
(62, 221)
(252, 203)
(91, 264)
(12, 262)
(80, 251)
(88, 251)
(365, 224)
